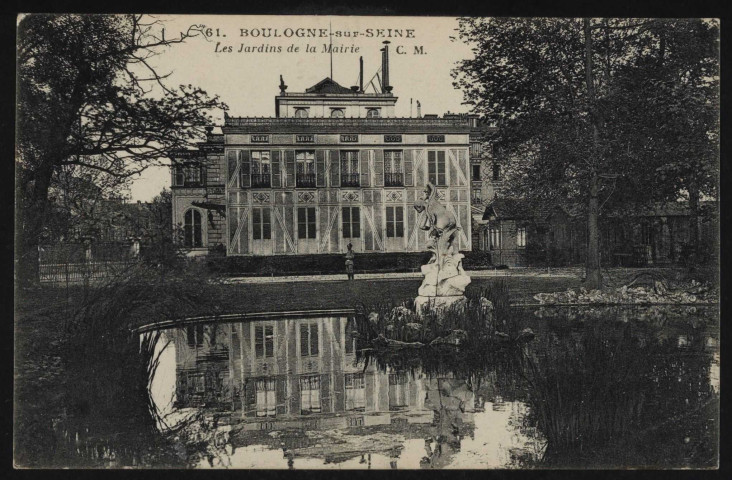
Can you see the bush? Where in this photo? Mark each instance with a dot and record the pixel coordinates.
(278, 265)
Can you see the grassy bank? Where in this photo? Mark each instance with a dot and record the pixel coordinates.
(81, 375)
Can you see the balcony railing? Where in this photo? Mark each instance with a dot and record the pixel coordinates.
(349, 180)
(261, 180)
(306, 180)
(345, 122)
(394, 180)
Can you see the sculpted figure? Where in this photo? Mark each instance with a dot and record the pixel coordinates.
(444, 278)
(440, 222)
(437, 218)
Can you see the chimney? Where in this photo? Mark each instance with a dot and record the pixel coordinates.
(385, 67)
(283, 87)
(419, 109)
(360, 74)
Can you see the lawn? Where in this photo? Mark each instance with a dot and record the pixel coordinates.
(287, 296)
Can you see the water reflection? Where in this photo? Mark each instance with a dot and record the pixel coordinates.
(301, 393)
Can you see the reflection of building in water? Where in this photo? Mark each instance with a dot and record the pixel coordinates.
(202, 371)
(302, 374)
(290, 367)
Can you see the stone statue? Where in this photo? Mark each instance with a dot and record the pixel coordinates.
(444, 278)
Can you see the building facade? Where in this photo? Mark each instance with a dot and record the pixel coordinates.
(333, 166)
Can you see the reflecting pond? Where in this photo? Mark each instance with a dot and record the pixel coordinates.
(595, 388)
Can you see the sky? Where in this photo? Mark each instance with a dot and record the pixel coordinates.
(248, 81)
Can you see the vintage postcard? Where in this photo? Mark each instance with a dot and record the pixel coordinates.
(363, 242)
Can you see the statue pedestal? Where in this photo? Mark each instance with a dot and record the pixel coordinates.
(424, 303)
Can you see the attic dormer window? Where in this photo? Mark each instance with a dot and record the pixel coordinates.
(373, 113)
(337, 113)
(301, 113)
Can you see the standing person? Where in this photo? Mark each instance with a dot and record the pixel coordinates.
(350, 255)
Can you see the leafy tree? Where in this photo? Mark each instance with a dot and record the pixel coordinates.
(89, 96)
(669, 101)
(83, 200)
(565, 96)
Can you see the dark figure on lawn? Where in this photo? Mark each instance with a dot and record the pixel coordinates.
(350, 255)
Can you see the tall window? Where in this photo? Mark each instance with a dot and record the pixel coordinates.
(436, 167)
(301, 113)
(521, 237)
(646, 233)
(350, 341)
(189, 174)
(306, 222)
(373, 113)
(305, 168)
(496, 172)
(261, 173)
(194, 174)
(495, 236)
(477, 195)
(178, 176)
(194, 335)
(261, 224)
(393, 176)
(310, 394)
(308, 339)
(349, 168)
(266, 402)
(355, 391)
(394, 222)
(351, 217)
(476, 148)
(192, 237)
(264, 341)
(476, 172)
(397, 390)
(337, 113)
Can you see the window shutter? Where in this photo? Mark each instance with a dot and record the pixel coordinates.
(462, 159)
(259, 341)
(232, 174)
(246, 179)
(304, 337)
(364, 166)
(408, 168)
(312, 229)
(250, 397)
(314, 339)
(335, 168)
(419, 168)
(276, 169)
(281, 395)
(320, 168)
(325, 393)
(378, 168)
(290, 167)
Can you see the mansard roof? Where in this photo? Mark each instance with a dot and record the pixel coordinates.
(327, 85)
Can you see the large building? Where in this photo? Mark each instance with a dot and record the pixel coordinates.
(333, 166)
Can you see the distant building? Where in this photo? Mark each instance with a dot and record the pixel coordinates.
(516, 234)
(333, 166)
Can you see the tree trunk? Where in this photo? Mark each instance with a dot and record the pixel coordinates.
(31, 212)
(593, 276)
(694, 215)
